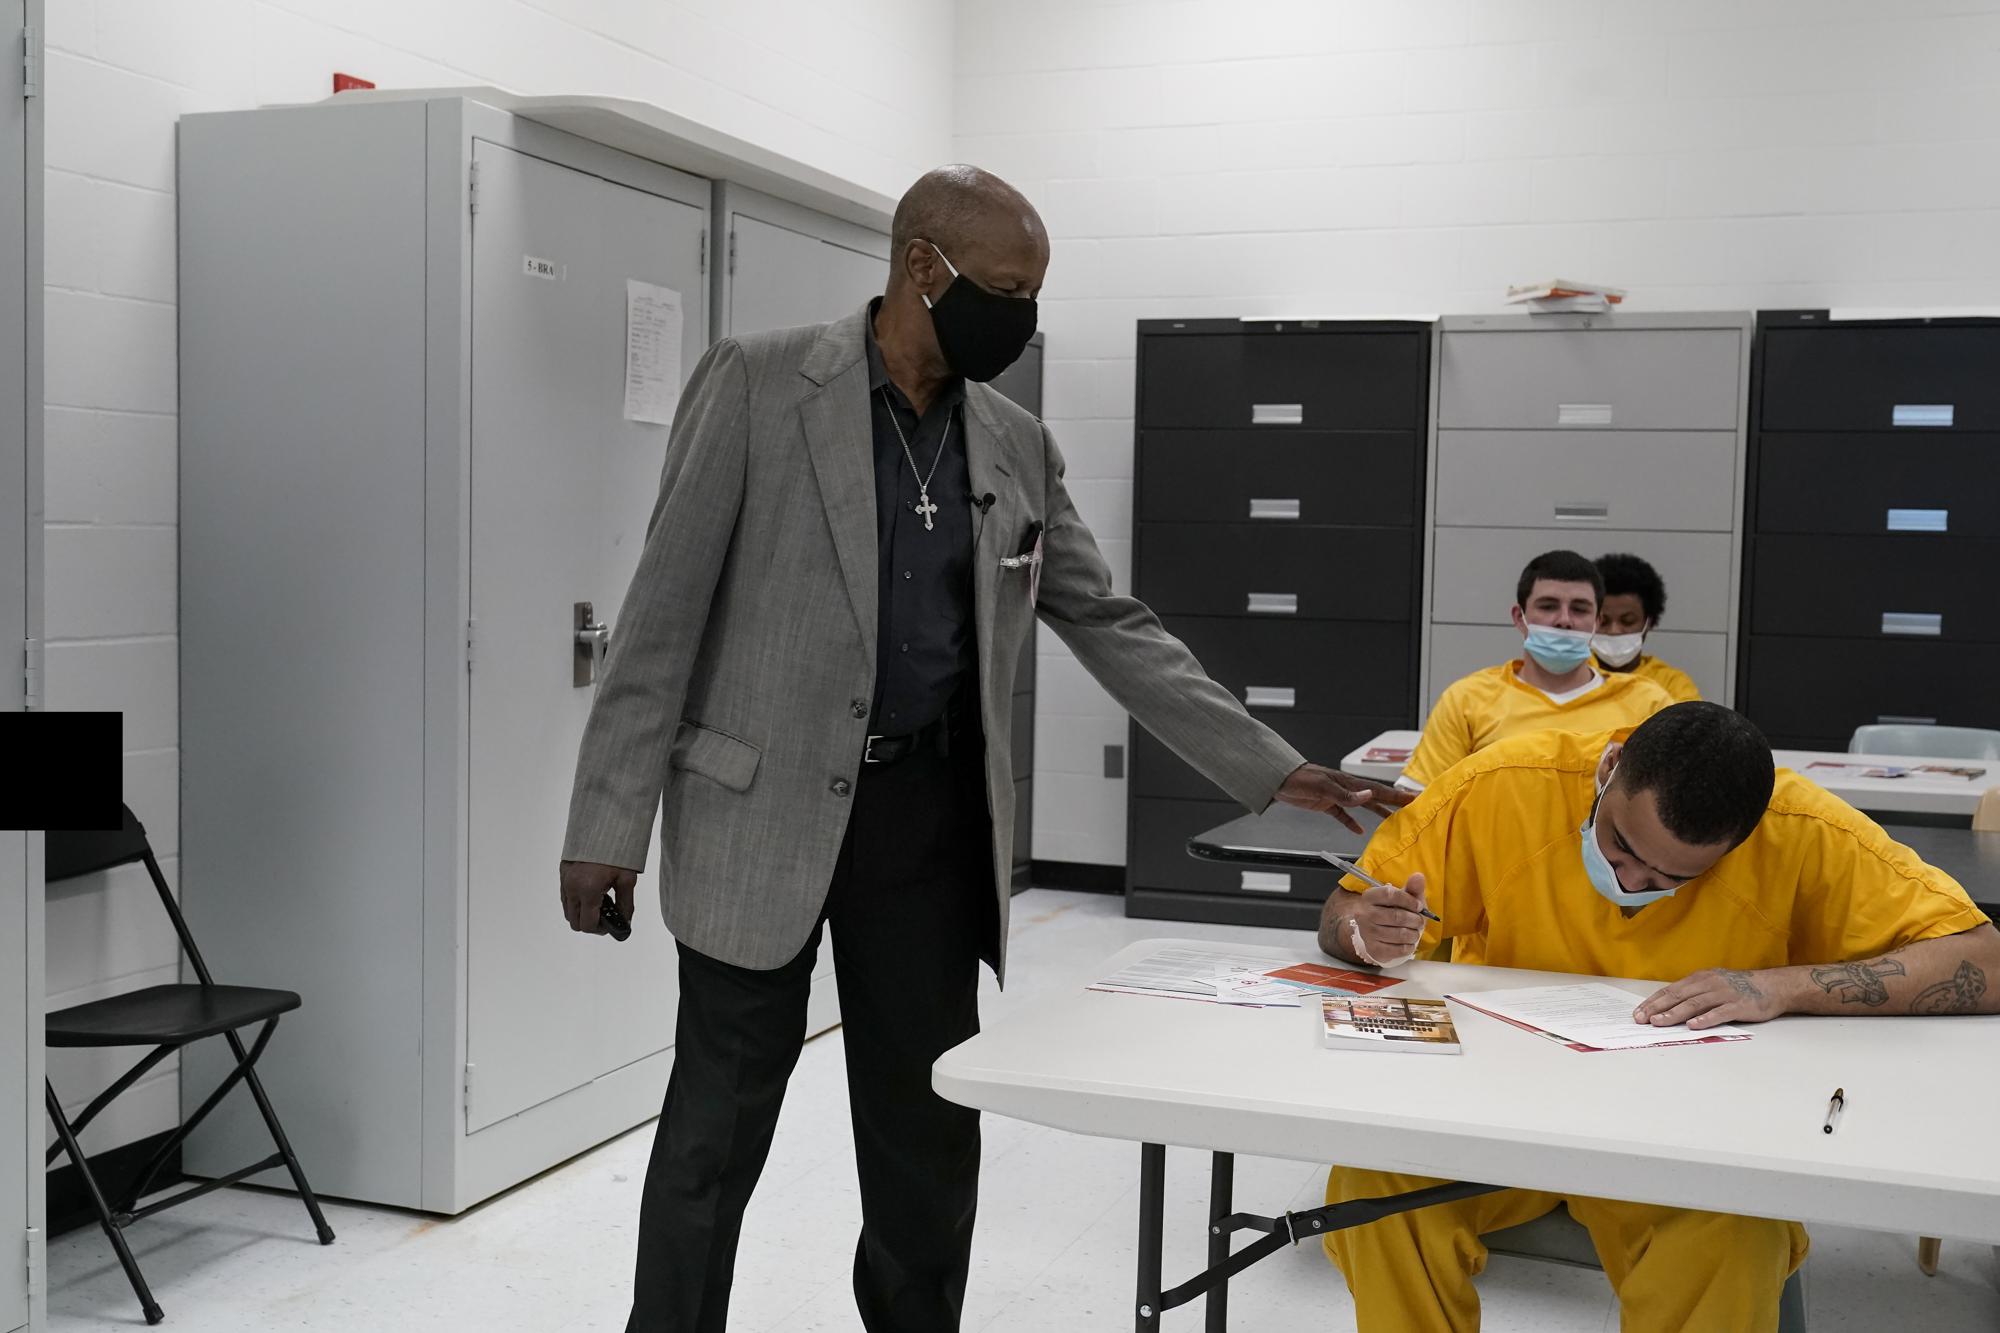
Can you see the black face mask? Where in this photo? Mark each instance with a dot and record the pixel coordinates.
(980, 333)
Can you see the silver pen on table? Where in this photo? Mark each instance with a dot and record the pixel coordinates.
(1834, 1106)
(1343, 863)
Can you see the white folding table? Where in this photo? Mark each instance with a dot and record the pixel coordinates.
(1917, 793)
(1732, 1127)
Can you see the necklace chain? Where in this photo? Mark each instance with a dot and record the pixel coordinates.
(924, 505)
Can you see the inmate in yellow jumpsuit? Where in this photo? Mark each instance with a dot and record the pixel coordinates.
(1497, 841)
(1496, 704)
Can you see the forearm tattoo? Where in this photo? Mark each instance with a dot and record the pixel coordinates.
(1958, 995)
(1859, 983)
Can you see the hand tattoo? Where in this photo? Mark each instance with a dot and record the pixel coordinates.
(1859, 983)
(1959, 995)
(1741, 983)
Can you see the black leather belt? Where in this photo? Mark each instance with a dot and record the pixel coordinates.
(935, 736)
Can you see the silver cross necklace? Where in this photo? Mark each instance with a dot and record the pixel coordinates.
(924, 505)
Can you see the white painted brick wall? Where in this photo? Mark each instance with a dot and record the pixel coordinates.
(861, 88)
(1203, 157)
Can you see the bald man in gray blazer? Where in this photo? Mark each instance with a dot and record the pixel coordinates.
(814, 667)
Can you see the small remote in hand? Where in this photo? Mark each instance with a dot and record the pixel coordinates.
(614, 922)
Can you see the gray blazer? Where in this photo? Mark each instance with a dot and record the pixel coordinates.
(744, 655)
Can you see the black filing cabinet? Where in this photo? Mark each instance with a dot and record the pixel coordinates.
(1277, 531)
(1873, 520)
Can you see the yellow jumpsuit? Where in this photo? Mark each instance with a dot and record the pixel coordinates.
(1678, 684)
(1495, 704)
(1497, 840)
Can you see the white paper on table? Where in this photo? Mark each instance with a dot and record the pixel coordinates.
(1203, 974)
(652, 352)
(1588, 1013)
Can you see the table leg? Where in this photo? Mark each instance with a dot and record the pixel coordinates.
(1152, 1226)
(1221, 1186)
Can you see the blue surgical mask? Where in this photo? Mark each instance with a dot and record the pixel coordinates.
(1559, 651)
(1605, 879)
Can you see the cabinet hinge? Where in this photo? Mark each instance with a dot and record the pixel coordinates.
(31, 62)
(31, 675)
(472, 189)
(468, 1094)
(469, 638)
(732, 252)
(702, 254)
(38, 1265)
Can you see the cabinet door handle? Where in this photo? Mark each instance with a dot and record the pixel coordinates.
(1277, 414)
(1583, 414)
(1582, 511)
(1928, 624)
(1905, 720)
(1269, 696)
(1266, 881)
(1285, 509)
(1918, 520)
(1921, 414)
(1273, 604)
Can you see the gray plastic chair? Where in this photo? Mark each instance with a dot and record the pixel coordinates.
(1926, 742)
(1557, 1238)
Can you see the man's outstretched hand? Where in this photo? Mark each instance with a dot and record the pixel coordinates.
(1311, 787)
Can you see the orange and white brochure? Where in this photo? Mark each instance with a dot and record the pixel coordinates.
(1587, 1016)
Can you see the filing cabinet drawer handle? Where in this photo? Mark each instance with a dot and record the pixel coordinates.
(1918, 520)
(1285, 509)
(1926, 623)
(1921, 414)
(1273, 604)
(1266, 881)
(1270, 696)
(1905, 720)
(1277, 414)
(1582, 511)
(1583, 414)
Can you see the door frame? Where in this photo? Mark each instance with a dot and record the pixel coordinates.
(23, 283)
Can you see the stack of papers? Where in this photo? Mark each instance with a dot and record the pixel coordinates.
(1385, 754)
(1564, 295)
(1221, 976)
(1833, 769)
(1587, 1016)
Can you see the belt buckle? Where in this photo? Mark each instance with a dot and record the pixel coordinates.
(868, 750)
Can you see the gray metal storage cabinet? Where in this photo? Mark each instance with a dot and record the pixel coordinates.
(1271, 456)
(1597, 433)
(23, 1121)
(1874, 517)
(405, 469)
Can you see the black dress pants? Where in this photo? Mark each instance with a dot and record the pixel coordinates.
(912, 911)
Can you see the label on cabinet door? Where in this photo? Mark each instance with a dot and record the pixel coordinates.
(652, 352)
(1583, 414)
(548, 269)
(1921, 414)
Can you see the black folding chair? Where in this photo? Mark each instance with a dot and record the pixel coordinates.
(166, 1018)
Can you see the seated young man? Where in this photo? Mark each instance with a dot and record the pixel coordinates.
(1552, 684)
(1634, 600)
(1673, 852)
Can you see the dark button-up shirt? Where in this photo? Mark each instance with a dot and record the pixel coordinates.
(925, 644)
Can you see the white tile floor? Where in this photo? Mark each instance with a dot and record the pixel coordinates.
(1054, 1253)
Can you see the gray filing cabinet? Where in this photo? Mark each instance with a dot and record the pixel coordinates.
(406, 468)
(1597, 433)
(23, 1284)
